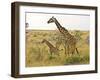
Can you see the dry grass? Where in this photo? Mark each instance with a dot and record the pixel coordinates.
(37, 53)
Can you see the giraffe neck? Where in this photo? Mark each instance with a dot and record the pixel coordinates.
(61, 29)
(49, 44)
(58, 24)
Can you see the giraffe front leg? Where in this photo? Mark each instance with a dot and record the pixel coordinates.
(50, 56)
(65, 50)
(50, 52)
(65, 47)
(68, 50)
(72, 50)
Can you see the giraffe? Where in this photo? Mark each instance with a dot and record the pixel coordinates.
(70, 40)
(52, 49)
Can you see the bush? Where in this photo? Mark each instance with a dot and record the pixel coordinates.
(76, 59)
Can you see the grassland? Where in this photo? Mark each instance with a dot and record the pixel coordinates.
(37, 53)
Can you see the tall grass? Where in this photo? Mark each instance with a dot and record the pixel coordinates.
(38, 54)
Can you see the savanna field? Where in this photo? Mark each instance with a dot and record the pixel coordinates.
(38, 54)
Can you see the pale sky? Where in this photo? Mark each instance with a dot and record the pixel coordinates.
(70, 22)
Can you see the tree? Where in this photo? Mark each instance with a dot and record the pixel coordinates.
(26, 25)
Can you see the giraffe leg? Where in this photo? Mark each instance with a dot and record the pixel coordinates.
(73, 49)
(65, 49)
(77, 51)
(50, 52)
(68, 49)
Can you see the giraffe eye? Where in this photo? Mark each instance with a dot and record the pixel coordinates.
(51, 20)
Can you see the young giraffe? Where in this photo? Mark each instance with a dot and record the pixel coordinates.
(52, 49)
(70, 40)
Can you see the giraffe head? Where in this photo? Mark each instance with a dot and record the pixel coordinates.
(51, 20)
(43, 41)
(60, 28)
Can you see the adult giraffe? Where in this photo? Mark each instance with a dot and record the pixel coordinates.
(70, 40)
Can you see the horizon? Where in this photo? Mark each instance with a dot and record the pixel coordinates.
(53, 30)
(39, 21)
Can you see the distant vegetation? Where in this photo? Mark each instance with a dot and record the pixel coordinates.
(38, 54)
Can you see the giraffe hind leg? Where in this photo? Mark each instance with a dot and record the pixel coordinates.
(77, 51)
(73, 52)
